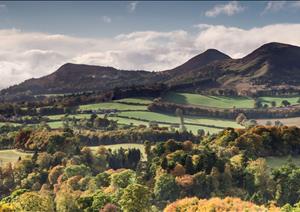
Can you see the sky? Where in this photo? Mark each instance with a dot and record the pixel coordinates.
(38, 37)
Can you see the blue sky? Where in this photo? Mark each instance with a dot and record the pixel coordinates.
(100, 19)
(39, 37)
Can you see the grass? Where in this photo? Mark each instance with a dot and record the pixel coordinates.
(267, 100)
(222, 101)
(209, 101)
(286, 121)
(275, 162)
(135, 100)
(111, 106)
(11, 155)
(8, 123)
(55, 124)
(152, 116)
(77, 116)
(141, 147)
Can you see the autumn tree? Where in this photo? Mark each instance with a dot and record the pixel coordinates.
(136, 198)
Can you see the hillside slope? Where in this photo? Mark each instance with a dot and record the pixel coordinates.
(273, 66)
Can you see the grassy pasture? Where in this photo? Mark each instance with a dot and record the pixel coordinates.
(61, 116)
(209, 101)
(152, 116)
(11, 155)
(111, 106)
(55, 124)
(286, 121)
(275, 162)
(222, 101)
(135, 100)
(8, 123)
(267, 100)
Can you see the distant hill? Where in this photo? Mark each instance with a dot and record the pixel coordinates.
(271, 66)
(76, 78)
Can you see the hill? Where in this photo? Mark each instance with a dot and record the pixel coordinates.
(273, 66)
(77, 78)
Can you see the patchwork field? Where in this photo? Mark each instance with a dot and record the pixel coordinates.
(112, 105)
(135, 100)
(267, 100)
(222, 101)
(11, 155)
(133, 111)
(152, 116)
(209, 101)
(287, 121)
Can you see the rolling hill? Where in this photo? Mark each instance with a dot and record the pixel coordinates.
(273, 66)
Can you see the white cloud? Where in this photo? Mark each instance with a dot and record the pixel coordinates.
(132, 6)
(274, 6)
(229, 9)
(106, 19)
(2, 6)
(24, 55)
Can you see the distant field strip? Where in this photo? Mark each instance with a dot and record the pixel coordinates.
(267, 100)
(166, 118)
(209, 101)
(287, 121)
(222, 101)
(11, 155)
(144, 101)
(275, 162)
(112, 106)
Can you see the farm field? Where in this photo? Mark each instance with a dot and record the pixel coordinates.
(55, 124)
(209, 101)
(274, 162)
(135, 100)
(9, 123)
(267, 100)
(11, 155)
(286, 121)
(222, 101)
(112, 105)
(152, 116)
(141, 147)
(77, 116)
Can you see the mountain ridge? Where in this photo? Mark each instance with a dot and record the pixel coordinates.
(272, 64)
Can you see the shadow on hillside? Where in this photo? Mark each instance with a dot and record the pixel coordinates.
(177, 98)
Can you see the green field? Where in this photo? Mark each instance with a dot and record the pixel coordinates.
(111, 106)
(11, 155)
(8, 123)
(222, 101)
(275, 162)
(61, 116)
(141, 147)
(286, 121)
(135, 100)
(152, 116)
(148, 116)
(55, 124)
(267, 100)
(209, 101)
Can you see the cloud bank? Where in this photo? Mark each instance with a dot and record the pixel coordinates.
(24, 55)
(229, 9)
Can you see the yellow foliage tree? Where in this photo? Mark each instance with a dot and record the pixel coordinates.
(217, 205)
